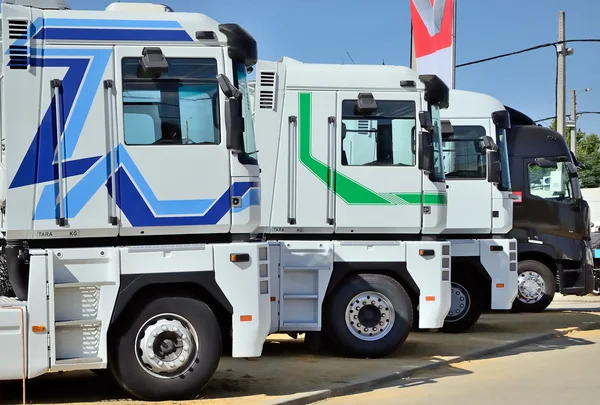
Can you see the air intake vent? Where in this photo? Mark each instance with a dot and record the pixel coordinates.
(267, 90)
(18, 30)
(267, 79)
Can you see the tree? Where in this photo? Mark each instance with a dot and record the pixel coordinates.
(588, 153)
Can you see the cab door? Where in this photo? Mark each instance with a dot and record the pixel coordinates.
(469, 193)
(378, 185)
(173, 172)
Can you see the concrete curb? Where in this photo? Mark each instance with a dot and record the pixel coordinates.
(361, 385)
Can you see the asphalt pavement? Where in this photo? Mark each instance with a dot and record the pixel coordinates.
(554, 372)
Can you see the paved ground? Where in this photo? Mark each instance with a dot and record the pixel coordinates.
(287, 367)
(555, 372)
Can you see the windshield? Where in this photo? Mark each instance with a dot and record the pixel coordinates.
(504, 165)
(249, 156)
(438, 162)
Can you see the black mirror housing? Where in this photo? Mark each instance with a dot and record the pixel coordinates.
(501, 119)
(436, 91)
(234, 124)
(493, 166)
(234, 115)
(426, 121)
(447, 129)
(425, 151)
(228, 88)
(488, 143)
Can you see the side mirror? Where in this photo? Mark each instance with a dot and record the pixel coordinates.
(447, 129)
(493, 166)
(545, 163)
(426, 121)
(488, 143)
(234, 119)
(153, 63)
(425, 152)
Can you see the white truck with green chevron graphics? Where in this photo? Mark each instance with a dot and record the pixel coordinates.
(354, 232)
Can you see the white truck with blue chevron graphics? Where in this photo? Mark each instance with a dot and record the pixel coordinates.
(353, 201)
(130, 192)
(480, 207)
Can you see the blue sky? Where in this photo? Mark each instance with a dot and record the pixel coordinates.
(325, 31)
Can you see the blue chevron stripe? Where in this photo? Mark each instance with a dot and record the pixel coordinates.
(133, 206)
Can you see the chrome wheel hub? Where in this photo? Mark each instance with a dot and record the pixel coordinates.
(370, 316)
(166, 346)
(459, 304)
(531, 287)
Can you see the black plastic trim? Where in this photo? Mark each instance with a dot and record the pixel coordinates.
(131, 284)
(398, 270)
(242, 46)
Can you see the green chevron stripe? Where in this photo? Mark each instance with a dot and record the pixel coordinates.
(350, 191)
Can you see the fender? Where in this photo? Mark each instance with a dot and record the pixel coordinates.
(201, 284)
(528, 247)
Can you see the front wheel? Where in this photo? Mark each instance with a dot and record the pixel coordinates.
(465, 306)
(170, 350)
(536, 287)
(368, 315)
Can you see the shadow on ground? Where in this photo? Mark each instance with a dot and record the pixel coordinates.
(435, 376)
(289, 367)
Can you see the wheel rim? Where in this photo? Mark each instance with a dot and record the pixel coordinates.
(166, 346)
(531, 287)
(460, 302)
(370, 316)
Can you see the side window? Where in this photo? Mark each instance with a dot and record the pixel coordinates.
(464, 155)
(179, 108)
(549, 183)
(385, 138)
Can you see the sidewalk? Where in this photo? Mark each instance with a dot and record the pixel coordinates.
(287, 368)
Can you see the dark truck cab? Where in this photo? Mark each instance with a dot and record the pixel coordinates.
(551, 220)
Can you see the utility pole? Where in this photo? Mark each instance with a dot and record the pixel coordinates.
(560, 82)
(574, 122)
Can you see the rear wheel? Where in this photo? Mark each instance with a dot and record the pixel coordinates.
(465, 307)
(170, 350)
(368, 315)
(536, 287)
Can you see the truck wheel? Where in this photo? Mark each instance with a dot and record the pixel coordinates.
(536, 287)
(169, 350)
(465, 307)
(368, 315)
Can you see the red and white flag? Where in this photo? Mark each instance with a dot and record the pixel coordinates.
(433, 38)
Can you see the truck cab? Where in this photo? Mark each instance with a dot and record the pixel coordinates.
(354, 201)
(551, 218)
(130, 196)
(480, 206)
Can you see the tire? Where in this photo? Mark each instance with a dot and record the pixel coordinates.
(531, 273)
(377, 289)
(203, 335)
(466, 304)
